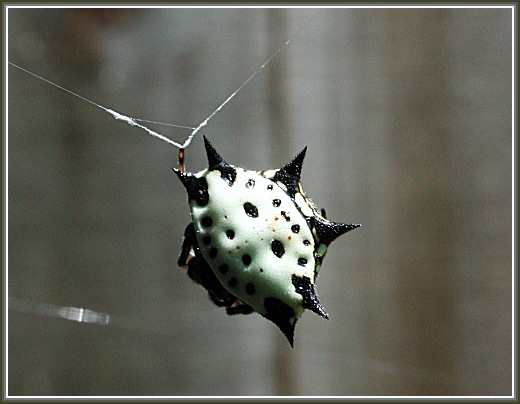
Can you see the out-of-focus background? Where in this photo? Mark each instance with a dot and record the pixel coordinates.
(407, 116)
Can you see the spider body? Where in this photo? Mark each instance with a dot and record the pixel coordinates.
(256, 242)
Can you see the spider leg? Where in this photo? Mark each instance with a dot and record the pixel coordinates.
(221, 299)
(200, 271)
(189, 242)
(239, 308)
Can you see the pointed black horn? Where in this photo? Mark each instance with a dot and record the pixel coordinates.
(304, 287)
(183, 176)
(216, 162)
(197, 188)
(294, 167)
(289, 174)
(214, 159)
(329, 231)
(282, 315)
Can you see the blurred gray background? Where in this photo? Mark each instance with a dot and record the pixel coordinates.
(407, 116)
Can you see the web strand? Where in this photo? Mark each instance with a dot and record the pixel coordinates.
(135, 121)
(115, 114)
(205, 121)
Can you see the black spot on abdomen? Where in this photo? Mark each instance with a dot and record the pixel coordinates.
(207, 221)
(250, 209)
(213, 253)
(223, 269)
(277, 248)
(250, 289)
(246, 259)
